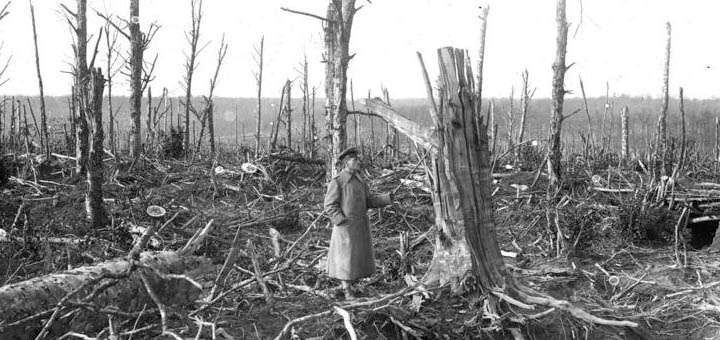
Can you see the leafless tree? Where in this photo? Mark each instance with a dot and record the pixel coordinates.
(558, 97)
(524, 105)
(624, 144)
(193, 38)
(140, 74)
(44, 140)
(78, 23)
(111, 70)
(92, 102)
(206, 116)
(661, 141)
(337, 28)
(259, 50)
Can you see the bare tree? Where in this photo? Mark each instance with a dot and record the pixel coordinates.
(525, 98)
(305, 106)
(481, 60)
(337, 29)
(275, 126)
(558, 96)
(258, 80)
(140, 74)
(222, 52)
(288, 113)
(206, 117)
(624, 144)
(510, 120)
(80, 72)
(3, 120)
(92, 101)
(193, 38)
(136, 93)
(683, 138)
(112, 58)
(661, 142)
(461, 194)
(154, 116)
(44, 140)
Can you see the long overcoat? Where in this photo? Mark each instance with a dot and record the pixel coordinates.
(347, 200)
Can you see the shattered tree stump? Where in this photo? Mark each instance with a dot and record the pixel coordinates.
(466, 242)
(38, 295)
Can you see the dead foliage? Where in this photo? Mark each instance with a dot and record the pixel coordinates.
(618, 250)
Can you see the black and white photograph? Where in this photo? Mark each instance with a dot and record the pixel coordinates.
(359, 169)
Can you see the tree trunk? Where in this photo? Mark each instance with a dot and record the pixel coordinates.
(149, 123)
(356, 118)
(312, 125)
(136, 59)
(331, 26)
(44, 137)
(392, 140)
(625, 145)
(525, 104)
(73, 122)
(211, 126)
(81, 79)
(26, 298)
(466, 239)
(558, 96)
(259, 97)
(481, 60)
(94, 197)
(110, 44)
(288, 113)
(661, 147)
(683, 137)
(305, 108)
(275, 128)
(462, 201)
(510, 120)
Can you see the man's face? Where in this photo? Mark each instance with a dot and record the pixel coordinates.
(353, 163)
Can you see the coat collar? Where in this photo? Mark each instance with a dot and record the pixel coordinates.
(344, 176)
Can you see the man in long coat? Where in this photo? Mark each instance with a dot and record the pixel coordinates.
(347, 200)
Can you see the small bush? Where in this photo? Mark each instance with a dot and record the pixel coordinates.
(172, 143)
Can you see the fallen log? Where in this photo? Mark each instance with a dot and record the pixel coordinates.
(23, 305)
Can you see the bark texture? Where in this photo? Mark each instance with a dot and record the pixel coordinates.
(466, 240)
(136, 59)
(624, 143)
(23, 299)
(81, 78)
(94, 197)
(258, 79)
(558, 97)
(44, 140)
(337, 48)
(661, 145)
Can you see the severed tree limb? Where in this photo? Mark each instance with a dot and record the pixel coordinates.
(111, 282)
(259, 274)
(574, 311)
(288, 326)
(425, 136)
(303, 13)
(232, 254)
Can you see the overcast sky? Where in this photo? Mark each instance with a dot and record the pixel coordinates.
(617, 41)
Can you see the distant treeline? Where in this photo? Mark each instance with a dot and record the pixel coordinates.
(700, 115)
